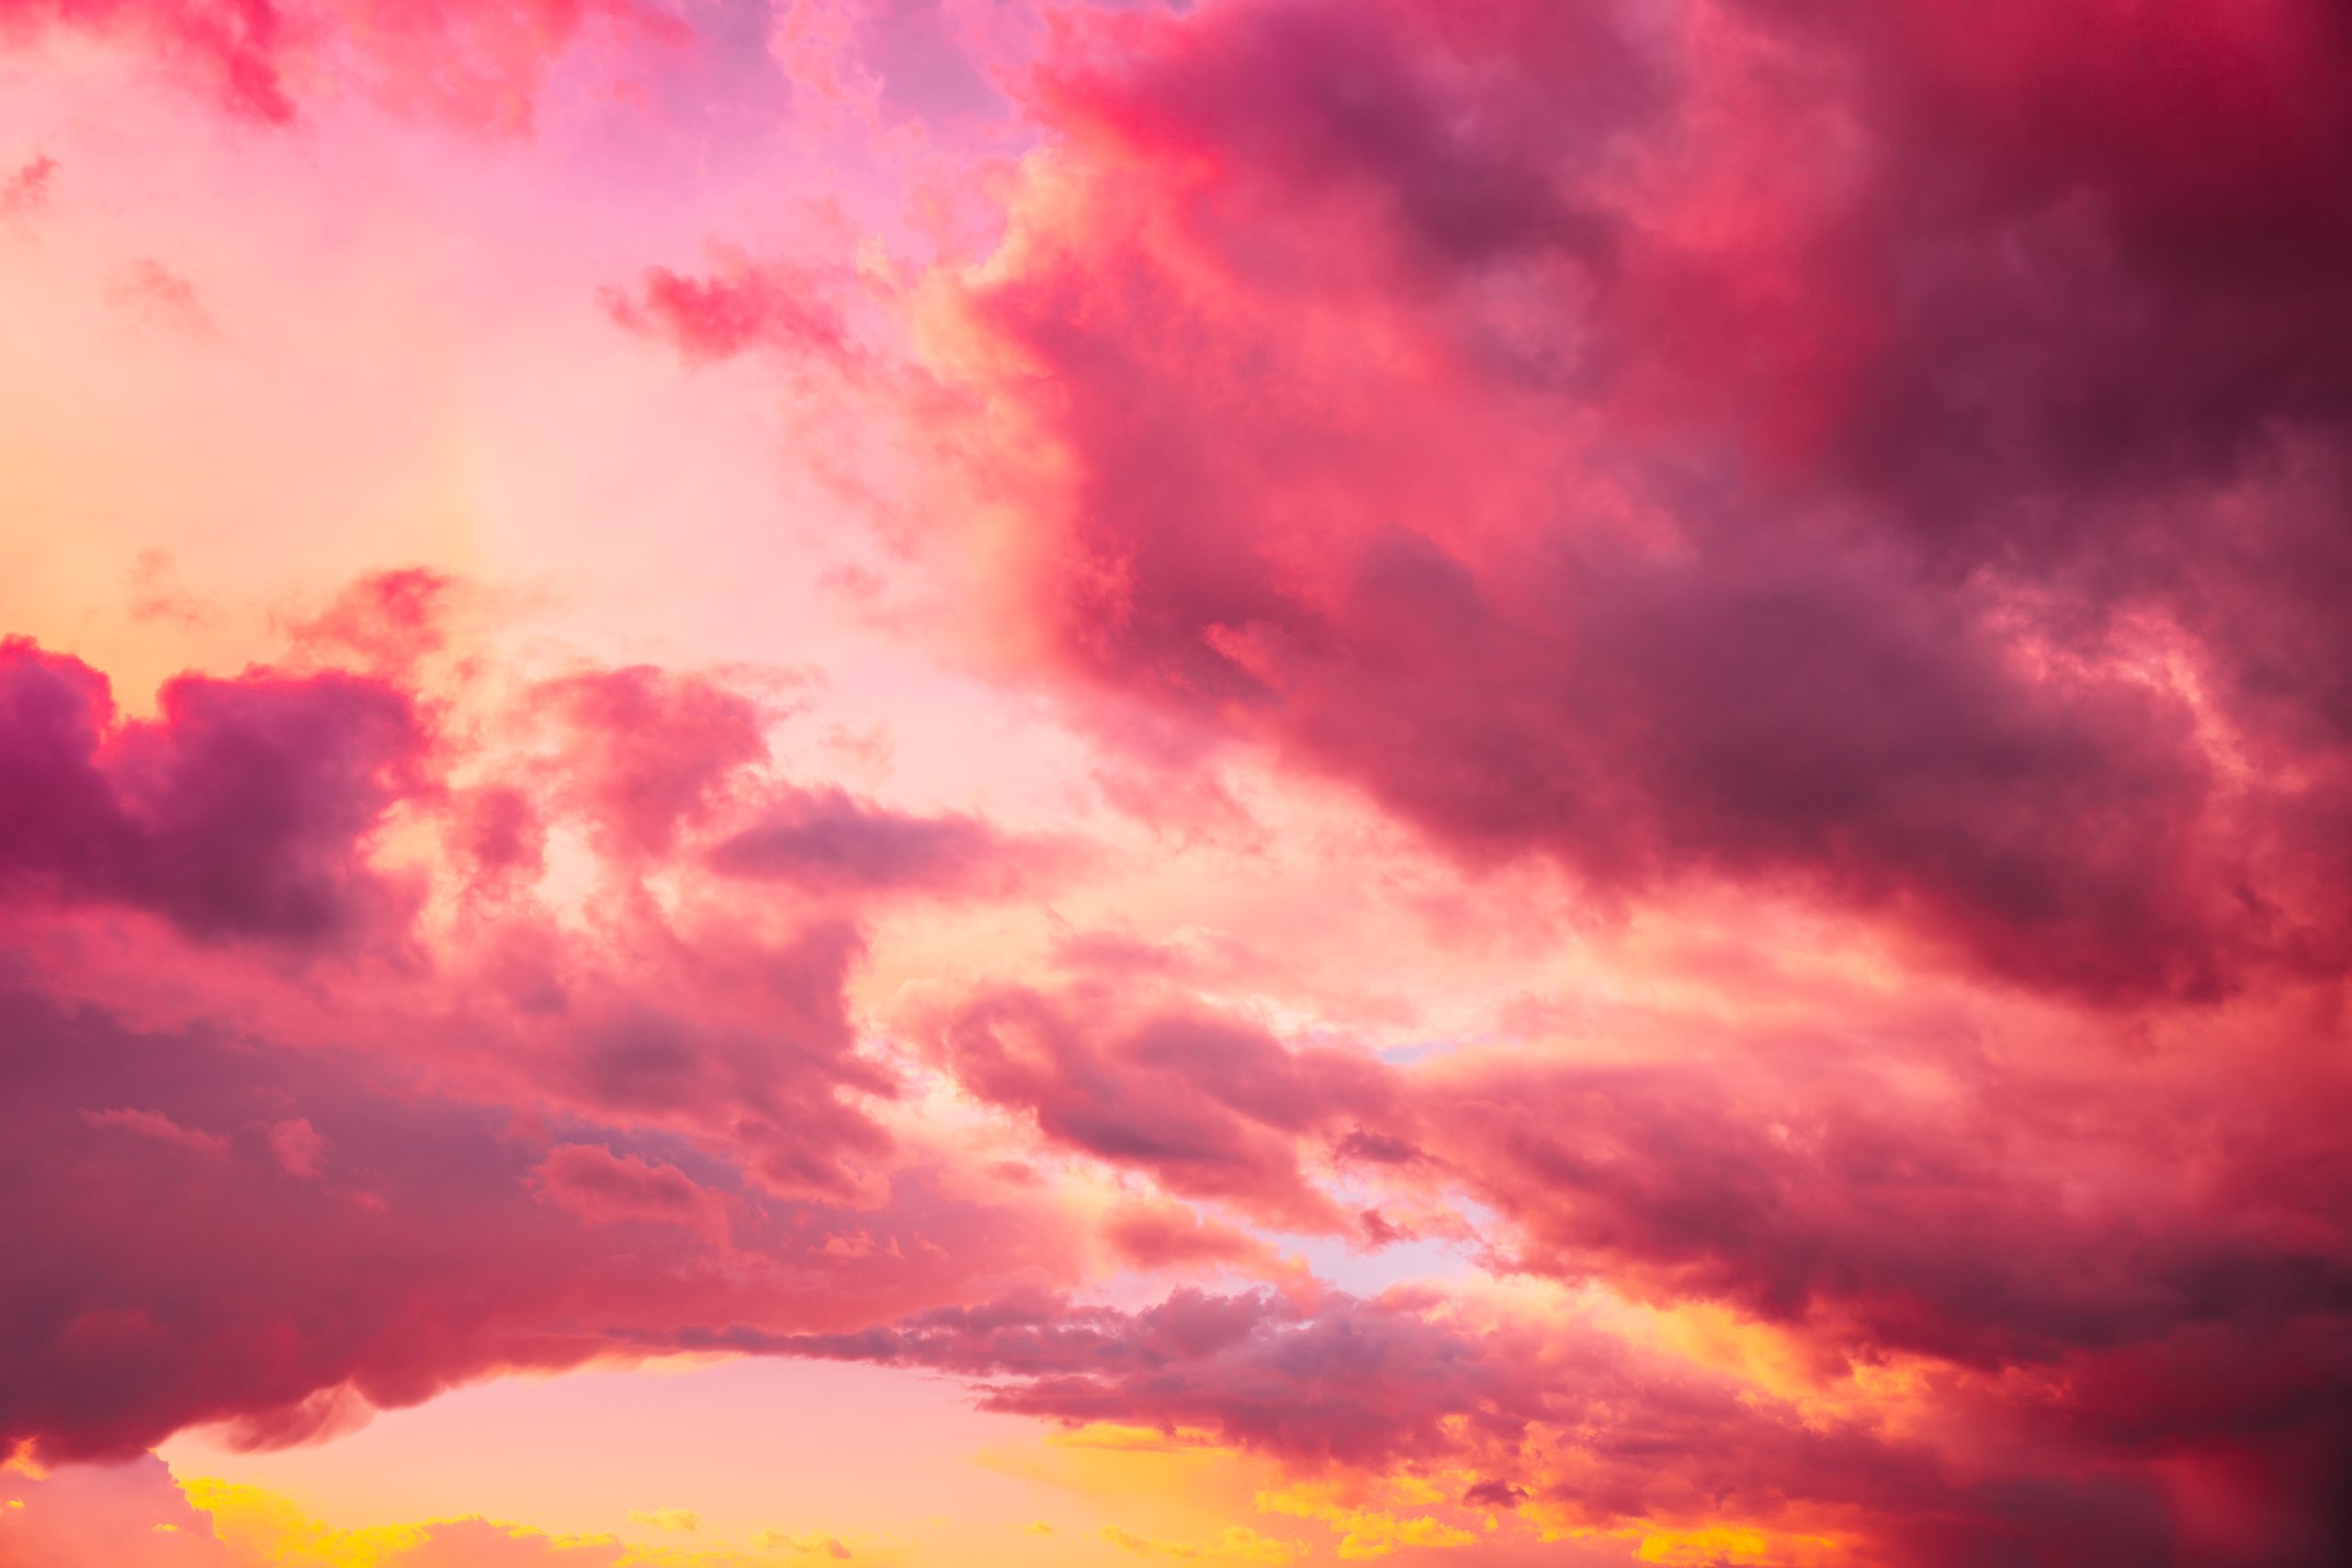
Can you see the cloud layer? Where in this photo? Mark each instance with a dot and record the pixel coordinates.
(1573, 777)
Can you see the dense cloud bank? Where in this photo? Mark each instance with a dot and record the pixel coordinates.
(1898, 458)
(1883, 471)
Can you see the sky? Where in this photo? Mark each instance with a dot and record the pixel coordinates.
(968, 783)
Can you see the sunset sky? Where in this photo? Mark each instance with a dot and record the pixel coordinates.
(960, 784)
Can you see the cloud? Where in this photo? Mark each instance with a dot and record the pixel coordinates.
(475, 65)
(1237, 1544)
(651, 753)
(460, 1136)
(386, 623)
(739, 308)
(149, 1124)
(157, 1320)
(163, 298)
(1209, 1107)
(25, 190)
(1170, 1235)
(1356, 1382)
(297, 1146)
(129, 1514)
(1873, 1197)
(667, 1518)
(1363, 1400)
(1878, 471)
(242, 811)
(441, 1241)
(1715, 446)
(829, 839)
(812, 1544)
(590, 1179)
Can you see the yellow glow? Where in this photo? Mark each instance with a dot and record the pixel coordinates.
(666, 1519)
(1367, 1531)
(1137, 1439)
(1235, 1543)
(1740, 1544)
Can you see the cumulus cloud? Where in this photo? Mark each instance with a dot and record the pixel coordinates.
(1714, 444)
(1881, 471)
(242, 811)
(524, 1148)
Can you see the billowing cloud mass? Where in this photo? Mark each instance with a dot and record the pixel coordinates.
(239, 812)
(1500, 780)
(530, 1161)
(1721, 441)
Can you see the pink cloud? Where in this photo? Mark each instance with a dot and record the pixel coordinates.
(829, 839)
(163, 298)
(387, 623)
(150, 1124)
(476, 65)
(420, 1255)
(653, 752)
(1170, 1235)
(1209, 1108)
(242, 811)
(297, 1146)
(1590, 1431)
(1870, 480)
(2182, 1311)
(1653, 482)
(130, 1515)
(590, 1179)
(736, 309)
(26, 190)
(444, 1160)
